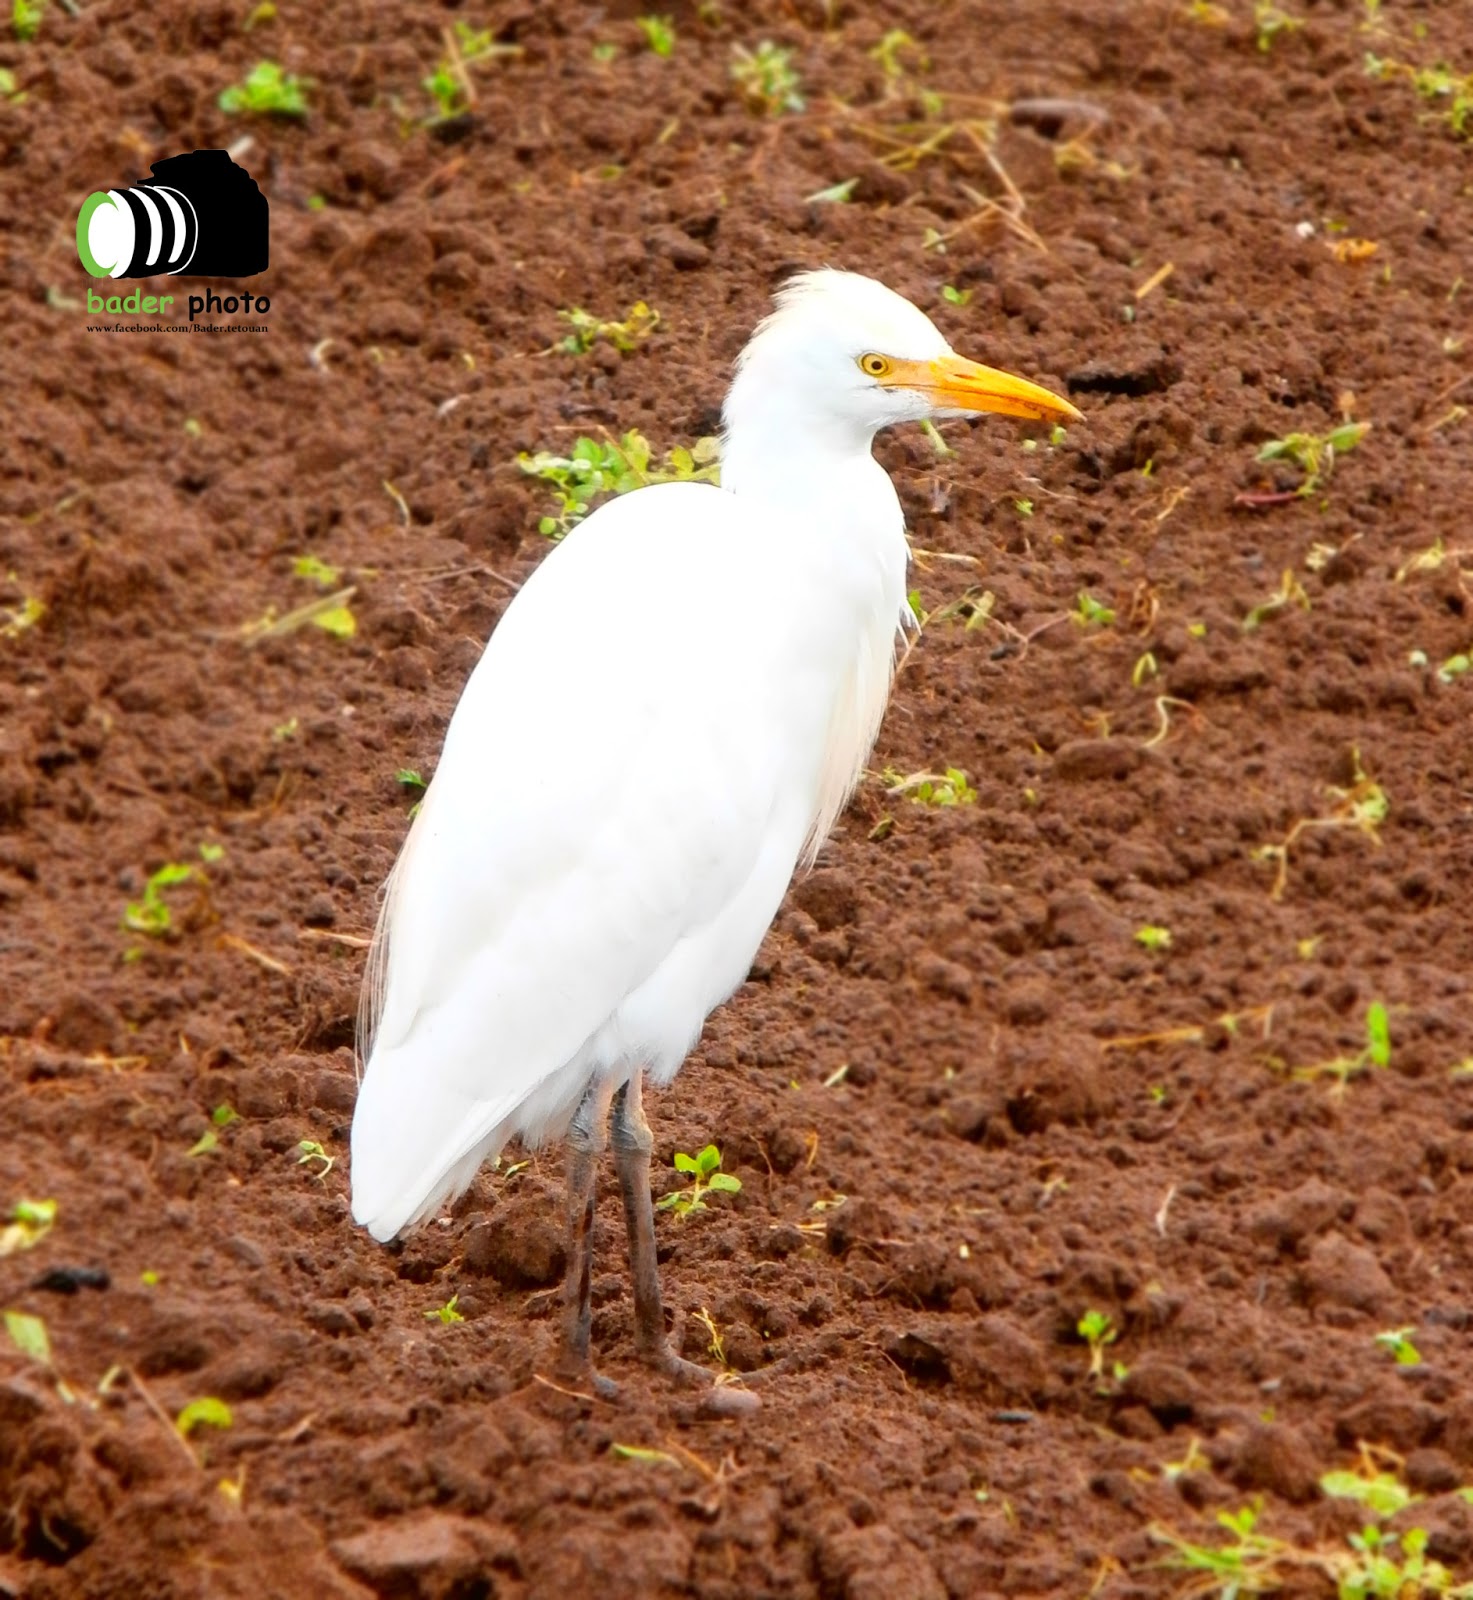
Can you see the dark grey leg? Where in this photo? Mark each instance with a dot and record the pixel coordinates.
(632, 1142)
(587, 1140)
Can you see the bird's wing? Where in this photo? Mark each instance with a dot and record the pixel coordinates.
(607, 785)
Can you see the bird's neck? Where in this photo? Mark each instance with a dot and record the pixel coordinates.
(776, 446)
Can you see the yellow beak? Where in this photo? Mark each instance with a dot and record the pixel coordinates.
(956, 384)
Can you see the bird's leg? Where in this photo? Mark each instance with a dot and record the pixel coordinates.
(587, 1140)
(633, 1141)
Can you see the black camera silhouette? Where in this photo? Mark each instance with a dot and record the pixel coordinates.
(200, 213)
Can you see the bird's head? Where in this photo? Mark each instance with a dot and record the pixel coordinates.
(846, 350)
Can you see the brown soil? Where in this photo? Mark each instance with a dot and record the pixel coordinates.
(1010, 1151)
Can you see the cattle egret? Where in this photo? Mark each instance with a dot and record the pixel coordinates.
(666, 721)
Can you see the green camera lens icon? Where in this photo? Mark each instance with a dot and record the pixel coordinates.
(200, 213)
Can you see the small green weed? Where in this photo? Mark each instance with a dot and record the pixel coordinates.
(1252, 1563)
(446, 1313)
(16, 620)
(1290, 592)
(1314, 453)
(766, 78)
(450, 85)
(25, 18)
(704, 1169)
(207, 1412)
(586, 330)
(151, 915)
(1452, 92)
(30, 1221)
(659, 33)
(310, 1150)
(1364, 806)
(1098, 1330)
(949, 788)
(267, 91)
(597, 467)
(1270, 22)
(1091, 613)
(317, 571)
(1153, 937)
(1376, 1053)
(1397, 1342)
(28, 1334)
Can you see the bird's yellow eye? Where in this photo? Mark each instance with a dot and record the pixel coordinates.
(877, 366)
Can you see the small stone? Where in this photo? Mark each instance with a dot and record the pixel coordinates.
(678, 248)
(521, 1245)
(1340, 1273)
(430, 1556)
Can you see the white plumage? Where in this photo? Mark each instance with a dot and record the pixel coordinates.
(669, 714)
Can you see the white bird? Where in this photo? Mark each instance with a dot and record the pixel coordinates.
(666, 721)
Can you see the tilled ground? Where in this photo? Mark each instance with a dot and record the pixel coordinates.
(968, 1105)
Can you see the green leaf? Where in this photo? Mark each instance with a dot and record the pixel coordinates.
(169, 874)
(28, 1335)
(1378, 1034)
(685, 1163)
(1383, 1494)
(223, 1115)
(207, 1143)
(1344, 439)
(211, 852)
(836, 194)
(708, 1161)
(205, 1413)
(724, 1183)
(339, 621)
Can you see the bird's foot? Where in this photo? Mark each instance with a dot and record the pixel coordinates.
(582, 1379)
(726, 1396)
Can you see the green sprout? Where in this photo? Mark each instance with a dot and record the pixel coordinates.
(585, 329)
(310, 1150)
(1099, 1332)
(408, 778)
(1024, 508)
(954, 296)
(29, 1223)
(1153, 938)
(1252, 1564)
(450, 85)
(267, 91)
(1314, 453)
(596, 467)
(950, 788)
(1450, 90)
(766, 78)
(25, 18)
(1376, 1053)
(1090, 613)
(28, 1334)
(1363, 806)
(447, 1312)
(705, 1169)
(204, 1413)
(316, 571)
(9, 91)
(151, 914)
(1290, 592)
(1374, 1573)
(16, 620)
(1270, 22)
(1397, 1342)
(659, 33)
(889, 51)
